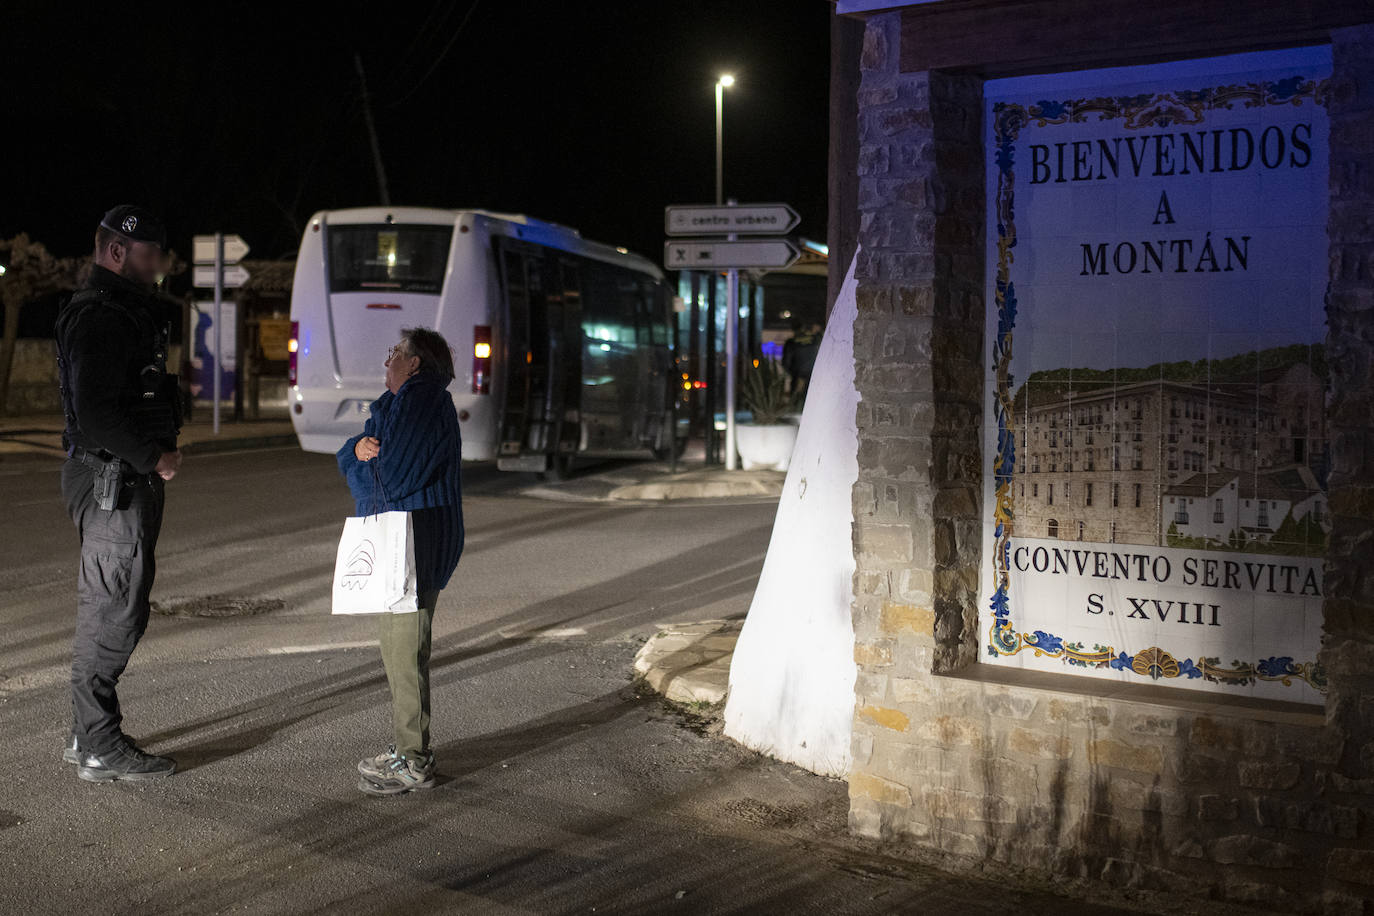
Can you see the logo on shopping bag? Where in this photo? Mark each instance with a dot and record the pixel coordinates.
(358, 569)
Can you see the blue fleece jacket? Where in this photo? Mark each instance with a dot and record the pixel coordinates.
(418, 468)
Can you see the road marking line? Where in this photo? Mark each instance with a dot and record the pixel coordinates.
(540, 633)
(322, 647)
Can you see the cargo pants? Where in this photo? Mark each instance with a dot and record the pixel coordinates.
(113, 584)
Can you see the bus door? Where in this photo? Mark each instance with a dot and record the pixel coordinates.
(660, 381)
(538, 310)
(565, 357)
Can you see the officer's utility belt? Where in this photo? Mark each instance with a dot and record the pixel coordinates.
(109, 471)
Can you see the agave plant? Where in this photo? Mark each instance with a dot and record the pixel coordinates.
(763, 391)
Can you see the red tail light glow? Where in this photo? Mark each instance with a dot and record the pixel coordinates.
(481, 359)
(293, 346)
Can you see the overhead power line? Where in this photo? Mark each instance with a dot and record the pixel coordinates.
(442, 54)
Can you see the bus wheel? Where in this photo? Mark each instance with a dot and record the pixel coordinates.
(560, 467)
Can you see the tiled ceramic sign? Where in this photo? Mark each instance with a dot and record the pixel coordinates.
(1156, 439)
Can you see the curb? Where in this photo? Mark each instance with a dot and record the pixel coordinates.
(690, 662)
(699, 489)
(641, 487)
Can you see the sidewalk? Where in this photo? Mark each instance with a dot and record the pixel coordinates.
(40, 436)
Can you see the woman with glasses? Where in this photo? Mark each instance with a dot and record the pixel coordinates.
(408, 458)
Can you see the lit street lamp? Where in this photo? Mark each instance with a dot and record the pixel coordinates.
(725, 81)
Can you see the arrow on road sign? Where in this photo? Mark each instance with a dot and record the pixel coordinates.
(747, 253)
(203, 249)
(203, 275)
(741, 219)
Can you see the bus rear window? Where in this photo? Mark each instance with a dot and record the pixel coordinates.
(408, 259)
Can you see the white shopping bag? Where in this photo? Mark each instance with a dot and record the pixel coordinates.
(374, 572)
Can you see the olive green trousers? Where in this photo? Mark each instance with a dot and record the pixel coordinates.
(405, 642)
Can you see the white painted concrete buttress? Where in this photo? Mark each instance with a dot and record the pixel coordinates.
(792, 677)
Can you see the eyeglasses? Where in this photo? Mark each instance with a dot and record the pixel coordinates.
(398, 350)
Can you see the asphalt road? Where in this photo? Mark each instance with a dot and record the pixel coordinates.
(564, 790)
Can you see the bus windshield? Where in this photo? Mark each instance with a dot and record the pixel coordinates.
(409, 259)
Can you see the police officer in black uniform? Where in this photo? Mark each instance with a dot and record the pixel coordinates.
(122, 417)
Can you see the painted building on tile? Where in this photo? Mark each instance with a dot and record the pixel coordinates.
(1103, 462)
(1247, 511)
(1115, 499)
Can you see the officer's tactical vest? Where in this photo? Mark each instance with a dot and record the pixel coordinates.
(156, 406)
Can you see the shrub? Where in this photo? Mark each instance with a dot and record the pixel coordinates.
(763, 392)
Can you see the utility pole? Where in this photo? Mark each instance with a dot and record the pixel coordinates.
(372, 132)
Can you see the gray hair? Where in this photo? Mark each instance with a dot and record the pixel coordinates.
(434, 352)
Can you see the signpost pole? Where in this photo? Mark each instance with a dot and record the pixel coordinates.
(211, 253)
(731, 255)
(731, 358)
(219, 324)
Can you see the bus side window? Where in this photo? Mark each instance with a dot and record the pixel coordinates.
(650, 319)
(626, 307)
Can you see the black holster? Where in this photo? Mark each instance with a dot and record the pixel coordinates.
(109, 477)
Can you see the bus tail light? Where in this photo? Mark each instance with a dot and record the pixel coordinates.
(481, 359)
(293, 345)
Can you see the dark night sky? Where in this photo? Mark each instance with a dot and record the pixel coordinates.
(591, 114)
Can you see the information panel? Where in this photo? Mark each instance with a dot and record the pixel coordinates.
(1156, 443)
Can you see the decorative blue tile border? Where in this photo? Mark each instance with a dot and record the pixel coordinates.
(1136, 112)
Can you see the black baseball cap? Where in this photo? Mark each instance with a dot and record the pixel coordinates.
(136, 223)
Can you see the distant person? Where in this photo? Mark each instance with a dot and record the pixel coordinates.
(799, 354)
(120, 437)
(789, 355)
(408, 458)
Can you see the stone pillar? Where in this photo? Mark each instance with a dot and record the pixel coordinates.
(917, 502)
(1348, 652)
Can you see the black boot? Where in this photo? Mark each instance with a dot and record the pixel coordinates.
(126, 761)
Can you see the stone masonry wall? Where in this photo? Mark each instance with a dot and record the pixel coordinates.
(1193, 796)
(33, 378)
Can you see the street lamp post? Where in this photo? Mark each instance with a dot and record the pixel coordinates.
(722, 84)
(732, 292)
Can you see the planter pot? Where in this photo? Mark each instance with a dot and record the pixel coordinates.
(765, 446)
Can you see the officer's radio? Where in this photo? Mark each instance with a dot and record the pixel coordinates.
(157, 412)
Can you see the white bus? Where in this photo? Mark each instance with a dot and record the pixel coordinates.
(561, 345)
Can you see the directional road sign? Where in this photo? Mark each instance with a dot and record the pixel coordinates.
(235, 275)
(203, 249)
(746, 253)
(741, 219)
